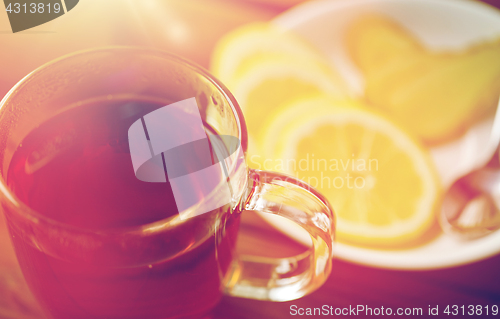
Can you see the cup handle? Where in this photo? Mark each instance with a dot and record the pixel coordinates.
(283, 279)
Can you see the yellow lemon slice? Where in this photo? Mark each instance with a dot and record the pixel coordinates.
(380, 182)
(256, 41)
(271, 83)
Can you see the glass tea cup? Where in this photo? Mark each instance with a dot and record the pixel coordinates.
(96, 240)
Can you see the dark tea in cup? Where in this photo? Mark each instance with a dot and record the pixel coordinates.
(75, 168)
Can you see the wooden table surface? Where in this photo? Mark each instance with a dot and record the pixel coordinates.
(206, 20)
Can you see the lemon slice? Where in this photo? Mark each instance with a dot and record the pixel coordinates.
(380, 182)
(272, 83)
(253, 41)
(266, 68)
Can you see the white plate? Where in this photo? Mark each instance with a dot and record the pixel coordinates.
(440, 25)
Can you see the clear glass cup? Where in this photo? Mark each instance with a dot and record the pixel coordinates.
(174, 267)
